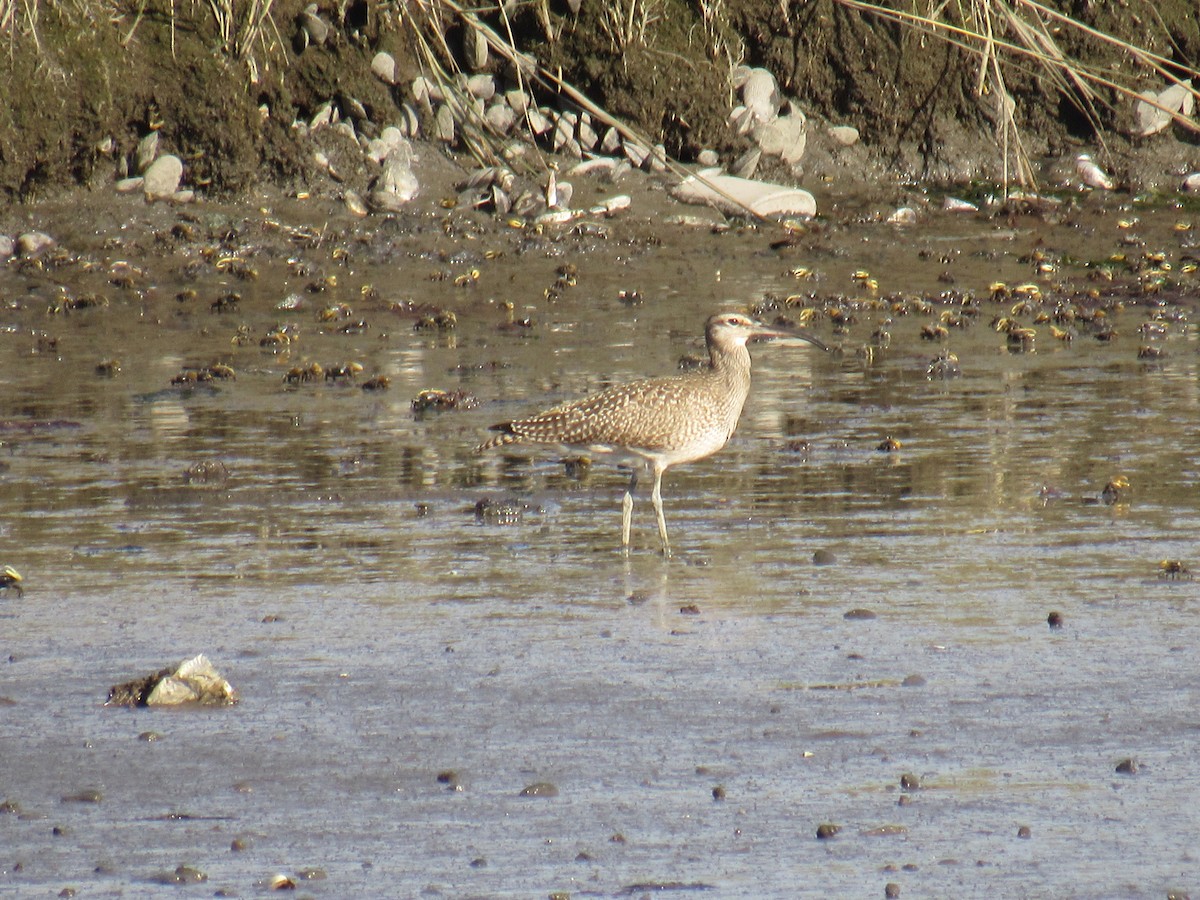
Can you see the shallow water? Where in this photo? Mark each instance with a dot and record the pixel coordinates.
(380, 632)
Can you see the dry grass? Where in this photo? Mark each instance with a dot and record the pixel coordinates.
(1024, 34)
(627, 23)
(245, 30)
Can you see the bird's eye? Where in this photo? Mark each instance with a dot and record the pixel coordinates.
(732, 320)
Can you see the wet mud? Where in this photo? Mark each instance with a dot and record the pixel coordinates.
(919, 637)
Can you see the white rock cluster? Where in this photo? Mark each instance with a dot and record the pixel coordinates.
(158, 176)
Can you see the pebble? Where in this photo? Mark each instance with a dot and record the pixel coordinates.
(355, 205)
(86, 796)
(475, 45)
(147, 151)
(8, 247)
(910, 782)
(564, 130)
(1091, 174)
(31, 243)
(540, 789)
(953, 204)
(747, 164)
(905, 215)
(412, 122)
(824, 558)
(1024, 832)
(518, 101)
(397, 184)
(611, 143)
(785, 137)
(1191, 184)
(760, 95)
(826, 830)
(443, 126)
(1128, 766)
(708, 158)
(891, 890)
(657, 160)
(130, 185)
(1154, 111)
(383, 64)
(500, 117)
(314, 26)
(323, 116)
(163, 177)
(183, 875)
(635, 153)
(481, 86)
(539, 123)
(846, 135)
(1054, 619)
(863, 615)
(426, 92)
(587, 136)
(281, 882)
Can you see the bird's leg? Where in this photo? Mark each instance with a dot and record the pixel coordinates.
(656, 499)
(627, 509)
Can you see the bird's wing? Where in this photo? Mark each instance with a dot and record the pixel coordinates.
(648, 414)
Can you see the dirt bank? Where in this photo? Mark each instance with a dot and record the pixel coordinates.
(227, 99)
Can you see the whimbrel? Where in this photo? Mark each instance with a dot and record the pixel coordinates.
(657, 423)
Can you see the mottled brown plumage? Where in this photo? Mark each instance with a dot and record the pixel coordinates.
(657, 422)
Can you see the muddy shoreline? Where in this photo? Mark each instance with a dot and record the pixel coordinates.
(294, 108)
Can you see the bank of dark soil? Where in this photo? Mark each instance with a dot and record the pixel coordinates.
(83, 93)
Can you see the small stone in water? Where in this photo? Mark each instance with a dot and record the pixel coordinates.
(910, 782)
(824, 558)
(87, 796)
(718, 793)
(184, 875)
(31, 243)
(863, 614)
(1055, 619)
(540, 789)
(1128, 766)
(891, 889)
(827, 830)
(1024, 831)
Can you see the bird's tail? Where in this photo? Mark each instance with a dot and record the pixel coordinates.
(506, 436)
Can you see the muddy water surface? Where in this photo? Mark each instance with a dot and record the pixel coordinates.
(700, 716)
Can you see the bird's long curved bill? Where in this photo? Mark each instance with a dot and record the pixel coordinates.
(779, 333)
